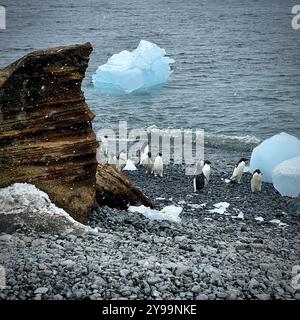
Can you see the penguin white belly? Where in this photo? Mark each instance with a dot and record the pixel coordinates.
(256, 182)
(238, 172)
(158, 167)
(206, 173)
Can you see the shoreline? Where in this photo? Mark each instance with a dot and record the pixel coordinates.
(206, 256)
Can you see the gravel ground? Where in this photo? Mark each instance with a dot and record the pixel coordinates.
(206, 256)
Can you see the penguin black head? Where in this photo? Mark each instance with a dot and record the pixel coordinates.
(257, 171)
(105, 137)
(160, 154)
(243, 159)
(149, 154)
(207, 162)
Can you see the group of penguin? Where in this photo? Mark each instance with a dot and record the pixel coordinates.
(202, 175)
(202, 172)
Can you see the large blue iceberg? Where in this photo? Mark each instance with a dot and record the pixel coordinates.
(125, 72)
(273, 151)
(286, 177)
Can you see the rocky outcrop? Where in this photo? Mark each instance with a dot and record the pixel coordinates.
(115, 190)
(46, 136)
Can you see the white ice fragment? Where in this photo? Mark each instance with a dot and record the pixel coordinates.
(220, 207)
(227, 180)
(129, 166)
(144, 67)
(272, 151)
(160, 199)
(181, 202)
(277, 221)
(259, 219)
(286, 177)
(170, 213)
(197, 206)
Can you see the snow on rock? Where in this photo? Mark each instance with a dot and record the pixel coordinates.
(272, 151)
(286, 177)
(220, 208)
(24, 204)
(125, 72)
(259, 219)
(170, 213)
(129, 166)
(277, 221)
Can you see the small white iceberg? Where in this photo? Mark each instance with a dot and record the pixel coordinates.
(129, 166)
(170, 213)
(220, 208)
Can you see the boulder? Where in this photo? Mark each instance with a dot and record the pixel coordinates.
(46, 135)
(115, 190)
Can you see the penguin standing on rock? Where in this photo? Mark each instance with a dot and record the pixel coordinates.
(158, 166)
(256, 180)
(201, 180)
(238, 171)
(148, 163)
(122, 160)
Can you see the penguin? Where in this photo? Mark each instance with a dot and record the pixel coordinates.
(113, 161)
(144, 152)
(104, 145)
(238, 171)
(158, 165)
(148, 163)
(122, 160)
(256, 180)
(201, 180)
(199, 167)
(206, 171)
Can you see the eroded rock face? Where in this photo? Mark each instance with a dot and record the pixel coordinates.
(115, 190)
(46, 136)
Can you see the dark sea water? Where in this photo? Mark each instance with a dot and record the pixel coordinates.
(237, 69)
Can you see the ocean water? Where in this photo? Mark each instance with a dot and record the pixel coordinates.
(237, 69)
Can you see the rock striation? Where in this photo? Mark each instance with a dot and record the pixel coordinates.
(46, 136)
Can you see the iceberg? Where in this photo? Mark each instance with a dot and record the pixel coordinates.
(286, 177)
(268, 154)
(125, 72)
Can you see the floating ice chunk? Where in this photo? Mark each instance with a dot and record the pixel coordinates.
(272, 151)
(170, 213)
(286, 177)
(220, 207)
(129, 166)
(144, 67)
(259, 219)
